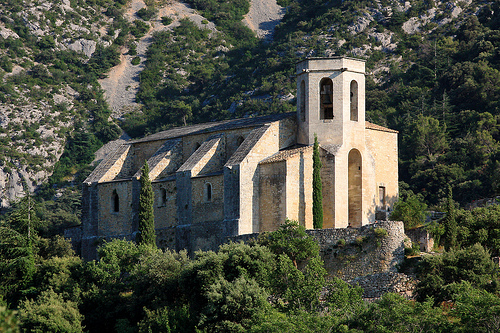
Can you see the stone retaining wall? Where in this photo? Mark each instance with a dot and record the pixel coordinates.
(371, 249)
(375, 285)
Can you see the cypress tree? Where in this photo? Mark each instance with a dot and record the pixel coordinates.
(317, 187)
(450, 223)
(146, 233)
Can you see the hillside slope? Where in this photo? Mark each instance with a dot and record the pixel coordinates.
(66, 78)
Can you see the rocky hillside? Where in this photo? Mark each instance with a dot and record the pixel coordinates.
(39, 106)
(71, 71)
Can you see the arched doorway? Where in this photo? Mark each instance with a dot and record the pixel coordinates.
(355, 189)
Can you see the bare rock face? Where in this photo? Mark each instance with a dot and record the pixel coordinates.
(10, 187)
(84, 46)
(6, 33)
(263, 16)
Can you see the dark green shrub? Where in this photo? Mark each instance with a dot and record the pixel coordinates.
(380, 232)
(136, 61)
(146, 13)
(165, 20)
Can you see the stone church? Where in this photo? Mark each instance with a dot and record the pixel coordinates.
(242, 176)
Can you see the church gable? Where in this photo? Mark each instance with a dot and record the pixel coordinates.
(208, 158)
(165, 161)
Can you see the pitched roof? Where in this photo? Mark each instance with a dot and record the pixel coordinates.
(214, 127)
(375, 127)
(285, 154)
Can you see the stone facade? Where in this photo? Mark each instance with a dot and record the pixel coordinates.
(245, 176)
(422, 237)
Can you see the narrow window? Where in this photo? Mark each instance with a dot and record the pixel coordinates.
(381, 197)
(302, 102)
(240, 140)
(115, 202)
(208, 192)
(163, 197)
(354, 100)
(326, 99)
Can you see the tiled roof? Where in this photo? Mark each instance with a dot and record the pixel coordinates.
(379, 128)
(285, 154)
(214, 126)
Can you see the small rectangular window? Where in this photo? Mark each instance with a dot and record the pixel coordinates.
(381, 197)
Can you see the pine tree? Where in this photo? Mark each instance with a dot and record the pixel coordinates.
(317, 187)
(450, 223)
(146, 233)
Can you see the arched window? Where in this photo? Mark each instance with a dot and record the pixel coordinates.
(208, 192)
(354, 100)
(115, 202)
(302, 102)
(163, 197)
(326, 99)
(240, 140)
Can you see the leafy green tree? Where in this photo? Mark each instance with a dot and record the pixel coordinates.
(343, 300)
(410, 208)
(393, 313)
(480, 225)
(146, 234)
(233, 306)
(298, 289)
(232, 261)
(291, 240)
(157, 278)
(438, 273)
(477, 309)
(166, 320)
(8, 320)
(317, 187)
(50, 313)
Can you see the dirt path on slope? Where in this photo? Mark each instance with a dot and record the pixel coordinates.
(263, 16)
(122, 83)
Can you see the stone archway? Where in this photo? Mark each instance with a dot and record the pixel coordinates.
(355, 188)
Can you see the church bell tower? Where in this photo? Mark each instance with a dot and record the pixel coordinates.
(330, 99)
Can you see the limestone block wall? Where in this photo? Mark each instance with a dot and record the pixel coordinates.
(165, 238)
(272, 195)
(111, 222)
(328, 188)
(261, 143)
(383, 146)
(299, 171)
(165, 207)
(287, 132)
(205, 210)
(234, 139)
